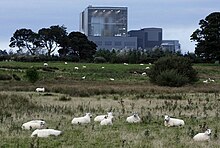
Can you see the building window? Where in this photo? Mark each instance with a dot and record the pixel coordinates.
(117, 43)
(129, 43)
(108, 43)
(99, 43)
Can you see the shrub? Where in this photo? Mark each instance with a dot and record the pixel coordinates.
(32, 75)
(99, 60)
(172, 71)
(16, 77)
(5, 77)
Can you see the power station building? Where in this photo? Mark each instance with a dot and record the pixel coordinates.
(147, 38)
(107, 27)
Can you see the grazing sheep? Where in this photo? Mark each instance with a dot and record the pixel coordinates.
(45, 64)
(83, 66)
(203, 136)
(84, 77)
(107, 120)
(172, 121)
(101, 117)
(103, 67)
(40, 89)
(211, 80)
(46, 133)
(34, 124)
(133, 119)
(150, 64)
(65, 63)
(82, 120)
(111, 79)
(144, 73)
(141, 64)
(147, 67)
(125, 63)
(76, 68)
(205, 81)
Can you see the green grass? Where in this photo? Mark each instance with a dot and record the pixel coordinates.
(67, 96)
(198, 110)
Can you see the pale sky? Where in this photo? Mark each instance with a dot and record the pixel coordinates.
(177, 18)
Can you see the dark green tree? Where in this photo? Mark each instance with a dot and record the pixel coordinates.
(78, 44)
(51, 37)
(25, 39)
(208, 37)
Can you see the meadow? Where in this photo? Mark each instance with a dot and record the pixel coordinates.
(67, 96)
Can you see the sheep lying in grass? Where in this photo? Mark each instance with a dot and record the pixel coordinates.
(34, 124)
(45, 64)
(133, 119)
(107, 120)
(172, 121)
(203, 136)
(82, 120)
(46, 133)
(99, 118)
(40, 89)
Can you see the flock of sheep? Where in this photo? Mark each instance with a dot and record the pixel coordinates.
(40, 131)
(107, 119)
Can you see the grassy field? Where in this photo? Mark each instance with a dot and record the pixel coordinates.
(67, 96)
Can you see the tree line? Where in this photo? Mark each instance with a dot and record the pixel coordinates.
(47, 40)
(76, 47)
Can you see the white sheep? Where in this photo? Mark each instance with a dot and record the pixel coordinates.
(34, 124)
(133, 119)
(76, 68)
(45, 64)
(83, 66)
(46, 133)
(211, 80)
(99, 118)
(205, 81)
(40, 89)
(147, 67)
(203, 136)
(65, 63)
(111, 79)
(172, 121)
(141, 64)
(144, 73)
(82, 120)
(125, 63)
(84, 77)
(103, 67)
(107, 120)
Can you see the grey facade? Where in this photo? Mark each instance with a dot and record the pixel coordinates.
(171, 45)
(147, 38)
(116, 42)
(104, 21)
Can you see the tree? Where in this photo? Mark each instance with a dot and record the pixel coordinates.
(208, 37)
(25, 39)
(78, 44)
(51, 37)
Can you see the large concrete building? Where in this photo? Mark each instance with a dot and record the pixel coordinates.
(104, 21)
(171, 45)
(147, 38)
(107, 27)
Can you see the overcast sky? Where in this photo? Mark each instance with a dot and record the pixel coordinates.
(177, 18)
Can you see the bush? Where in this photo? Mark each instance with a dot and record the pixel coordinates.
(32, 75)
(172, 71)
(99, 60)
(5, 77)
(16, 77)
